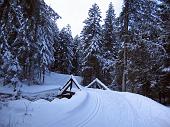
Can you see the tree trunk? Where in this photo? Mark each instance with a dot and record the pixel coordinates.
(43, 74)
(126, 22)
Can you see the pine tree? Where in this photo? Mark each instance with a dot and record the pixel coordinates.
(21, 23)
(164, 77)
(122, 63)
(10, 68)
(10, 24)
(110, 46)
(91, 41)
(64, 51)
(40, 37)
(46, 31)
(165, 36)
(76, 55)
(109, 32)
(143, 32)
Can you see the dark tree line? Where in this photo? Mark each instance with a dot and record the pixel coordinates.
(28, 31)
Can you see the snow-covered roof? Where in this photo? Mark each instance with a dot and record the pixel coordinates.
(72, 78)
(99, 83)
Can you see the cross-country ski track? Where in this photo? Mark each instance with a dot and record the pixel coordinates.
(91, 108)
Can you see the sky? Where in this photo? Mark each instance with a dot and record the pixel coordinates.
(74, 12)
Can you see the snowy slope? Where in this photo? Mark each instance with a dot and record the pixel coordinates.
(53, 81)
(88, 108)
(58, 79)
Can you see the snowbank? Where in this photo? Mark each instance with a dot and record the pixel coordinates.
(53, 81)
(88, 108)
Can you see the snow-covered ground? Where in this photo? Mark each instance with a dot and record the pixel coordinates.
(53, 81)
(87, 108)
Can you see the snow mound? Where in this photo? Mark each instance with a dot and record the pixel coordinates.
(87, 108)
(53, 81)
(59, 79)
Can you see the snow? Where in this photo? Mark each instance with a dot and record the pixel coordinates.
(98, 81)
(59, 79)
(49, 90)
(166, 69)
(87, 108)
(52, 81)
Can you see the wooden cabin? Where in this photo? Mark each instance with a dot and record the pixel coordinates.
(97, 84)
(67, 90)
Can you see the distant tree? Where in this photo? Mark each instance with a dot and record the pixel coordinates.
(141, 44)
(76, 55)
(10, 68)
(124, 23)
(27, 35)
(109, 32)
(46, 32)
(10, 24)
(164, 76)
(64, 51)
(110, 46)
(91, 41)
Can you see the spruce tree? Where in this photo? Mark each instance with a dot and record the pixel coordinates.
(91, 42)
(143, 32)
(76, 55)
(22, 23)
(11, 23)
(64, 51)
(46, 32)
(110, 46)
(164, 76)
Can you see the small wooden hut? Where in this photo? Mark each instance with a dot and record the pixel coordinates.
(97, 84)
(67, 90)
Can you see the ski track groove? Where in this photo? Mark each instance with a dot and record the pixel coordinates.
(110, 95)
(93, 114)
(68, 114)
(90, 116)
(132, 109)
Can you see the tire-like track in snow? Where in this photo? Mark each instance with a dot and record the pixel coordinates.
(94, 107)
(80, 116)
(102, 109)
(93, 114)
